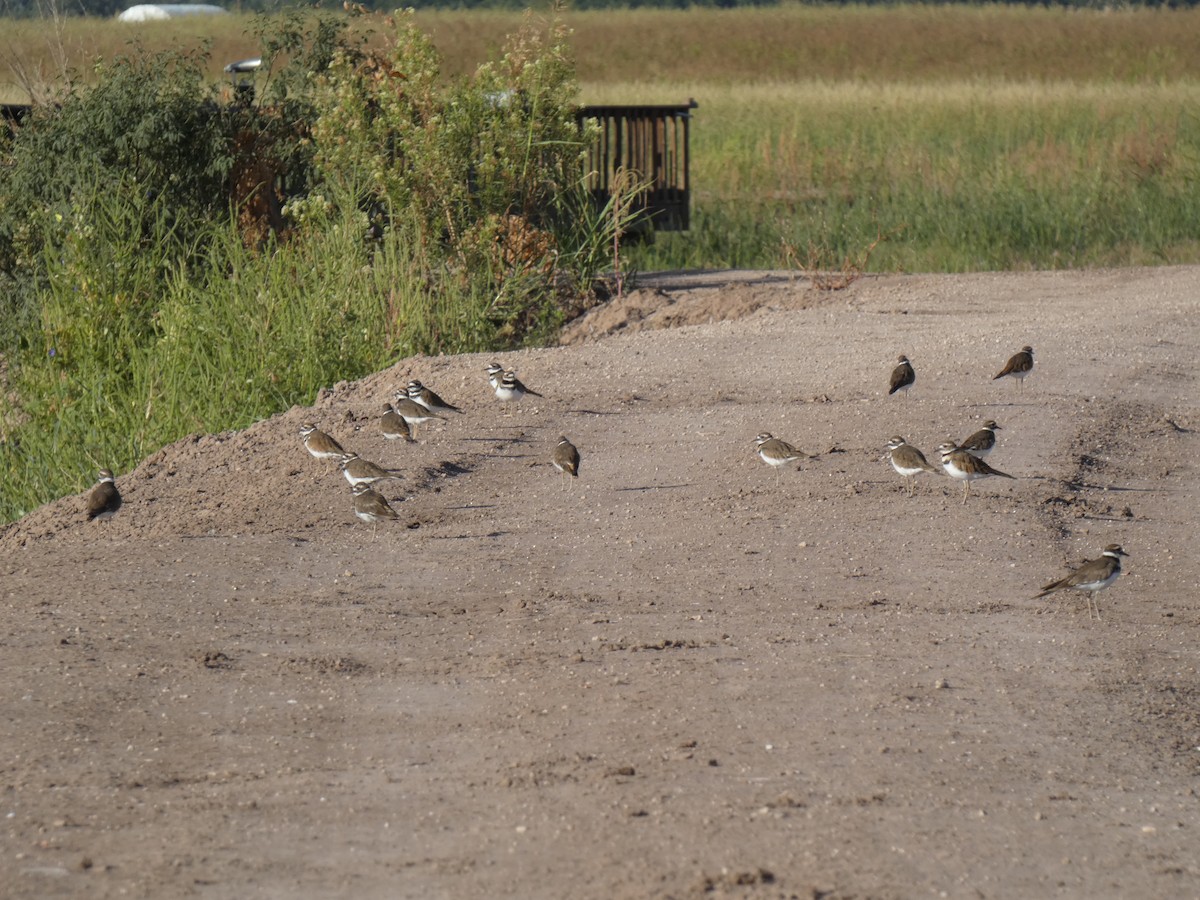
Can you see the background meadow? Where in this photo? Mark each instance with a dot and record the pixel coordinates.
(964, 137)
(854, 138)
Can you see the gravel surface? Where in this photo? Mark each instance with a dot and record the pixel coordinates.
(684, 674)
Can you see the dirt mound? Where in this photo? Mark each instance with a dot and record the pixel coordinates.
(671, 300)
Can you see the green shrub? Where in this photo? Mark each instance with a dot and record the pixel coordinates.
(148, 133)
(484, 174)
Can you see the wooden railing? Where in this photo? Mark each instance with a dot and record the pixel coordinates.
(651, 142)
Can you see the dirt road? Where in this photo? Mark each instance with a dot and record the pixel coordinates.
(683, 674)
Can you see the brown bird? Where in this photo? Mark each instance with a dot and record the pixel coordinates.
(393, 426)
(566, 459)
(966, 468)
(775, 452)
(361, 471)
(1091, 577)
(319, 444)
(371, 506)
(412, 412)
(105, 499)
(903, 377)
(428, 399)
(908, 461)
(980, 444)
(1018, 366)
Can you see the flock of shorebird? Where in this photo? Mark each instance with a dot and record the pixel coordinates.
(413, 406)
(965, 462)
(417, 404)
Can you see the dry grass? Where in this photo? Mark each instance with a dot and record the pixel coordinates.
(781, 140)
(702, 48)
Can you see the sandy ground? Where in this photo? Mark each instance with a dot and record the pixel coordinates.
(682, 675)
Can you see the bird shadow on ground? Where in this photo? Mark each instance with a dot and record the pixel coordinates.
(468, 537)
(655, 487)
(499, 438)
(448, 469)
(1105, 488)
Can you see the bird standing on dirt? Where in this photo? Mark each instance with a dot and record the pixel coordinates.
(510, 389)
(903, 377)
(1019, 365)
(983, 441)
(362, 471)
(566, 459)
(412, 412)
(908, 461)
(1092, 577)
(775, 452)
(371, 506)
(392, 425)
(320, 445)
(418, 393)
(960, 464)
(105, 499)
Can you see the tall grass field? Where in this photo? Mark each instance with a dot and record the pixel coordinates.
(959, 137)
(947, 177)
(881, 138)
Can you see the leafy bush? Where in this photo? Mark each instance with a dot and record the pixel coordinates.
(149, 133)
(484, 174)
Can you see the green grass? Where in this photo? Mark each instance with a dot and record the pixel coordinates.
(881, 43)
(963, 176)
(211, 355)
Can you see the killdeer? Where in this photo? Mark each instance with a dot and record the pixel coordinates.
(1018, 366)
(980, 444)
(495, 372)
(511, 390)
(775, 452)
(428, 399)
(1092, 577)
(105, 499)
(360, 471)
(371, 506)
(566, 459)
(962, 465)
(412, 412)
(319, 444)
(393, 426)
(903, 377)
(908, 461)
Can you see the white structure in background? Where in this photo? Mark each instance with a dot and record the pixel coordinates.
(157, 12)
